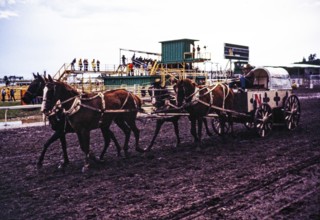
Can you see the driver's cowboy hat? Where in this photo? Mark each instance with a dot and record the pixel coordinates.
(247, 66)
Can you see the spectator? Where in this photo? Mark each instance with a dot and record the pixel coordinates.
(123, 60)
(130, 65)
(193, 51)
(85, 64)
(12, 94)
(73, 63)
(98, 65)
(198, 51)
(80, 64)
(3, 93)
(145, 67)
(93, 64)
(8, 94)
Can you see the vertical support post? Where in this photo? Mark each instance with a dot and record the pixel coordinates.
(5, 117)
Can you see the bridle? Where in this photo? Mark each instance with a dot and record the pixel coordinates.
(33, 95)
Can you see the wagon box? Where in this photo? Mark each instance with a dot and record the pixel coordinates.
(270, 85)
(268, 101)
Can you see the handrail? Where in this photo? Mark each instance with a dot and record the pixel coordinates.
(6, 108)
(61, 71)
(154, 68)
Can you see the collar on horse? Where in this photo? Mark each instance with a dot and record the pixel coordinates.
(196, 95)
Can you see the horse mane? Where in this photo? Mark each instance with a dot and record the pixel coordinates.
(69, 88)
(189, 84)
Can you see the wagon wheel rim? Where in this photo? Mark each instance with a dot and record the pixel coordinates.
(217, 127)
(292, 112)
(263, 120)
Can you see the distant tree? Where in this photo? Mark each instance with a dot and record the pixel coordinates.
(6, 80)
(312, 57)
(304, 60)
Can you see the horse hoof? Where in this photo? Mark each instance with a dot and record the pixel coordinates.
(126, 154)
(39, 166)
(140, 150)
(100, 161)
(62, 166)
(85, 168)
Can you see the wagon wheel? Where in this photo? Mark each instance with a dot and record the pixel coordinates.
(292, 112)
(263, 120)
(217, 126)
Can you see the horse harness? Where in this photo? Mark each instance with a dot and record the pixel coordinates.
(196, 96)
(77, 104)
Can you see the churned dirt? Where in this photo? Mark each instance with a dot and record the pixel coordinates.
(245, 177)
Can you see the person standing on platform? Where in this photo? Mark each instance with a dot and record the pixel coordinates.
(85, 64)
(130, 65)
(80, 64)
(198, 51)
(194, 51)
(123, 60)
(73, 63)
(98, 65)
(93, 64)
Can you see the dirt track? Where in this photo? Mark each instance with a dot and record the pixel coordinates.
(245, 177)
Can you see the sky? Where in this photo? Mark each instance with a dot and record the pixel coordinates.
(42, 35)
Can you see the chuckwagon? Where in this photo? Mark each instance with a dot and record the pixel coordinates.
(268, 101)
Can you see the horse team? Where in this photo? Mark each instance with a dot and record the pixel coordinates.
(71, 111)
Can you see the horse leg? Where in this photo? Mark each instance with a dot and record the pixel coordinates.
(176, 129)
(64, 150)
(156, 132)
(127, 132)
(84, 141)
(193, 130)
(205, 122)
(107, 136)
(132, 124)
(230, 121)
(53, 138)
(200, 120)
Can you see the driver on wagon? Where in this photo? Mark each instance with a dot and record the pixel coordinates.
(245, 79)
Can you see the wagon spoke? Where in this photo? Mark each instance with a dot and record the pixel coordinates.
(292, 112)
(263, 120)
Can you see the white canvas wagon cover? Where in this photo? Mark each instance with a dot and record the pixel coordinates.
(272, 78)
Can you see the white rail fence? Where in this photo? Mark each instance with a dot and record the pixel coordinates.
(7, 108)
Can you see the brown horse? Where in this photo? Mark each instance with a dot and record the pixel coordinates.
(160, 96)
(85, 113)
(199, 101)
(59, 124)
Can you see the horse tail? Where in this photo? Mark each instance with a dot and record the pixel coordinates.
(139, 105)
(138, 102)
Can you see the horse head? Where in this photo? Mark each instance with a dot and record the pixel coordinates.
(54, 92)
(35, 89)
(184, 90)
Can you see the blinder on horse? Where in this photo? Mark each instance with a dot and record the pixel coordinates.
(35, 89)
